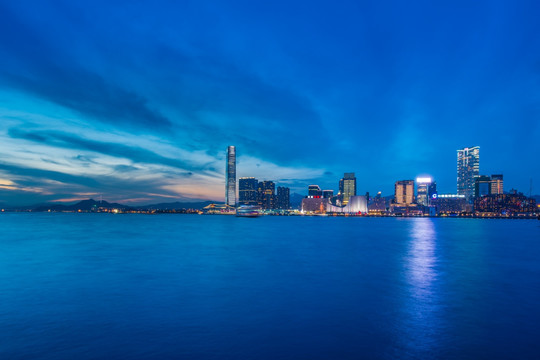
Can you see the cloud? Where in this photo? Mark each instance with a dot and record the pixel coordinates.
(49, 74)
(135, 154)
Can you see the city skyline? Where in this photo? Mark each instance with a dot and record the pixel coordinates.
(306, 92)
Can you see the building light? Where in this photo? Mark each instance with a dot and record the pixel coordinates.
(423, 180)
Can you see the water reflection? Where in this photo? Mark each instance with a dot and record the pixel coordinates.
(421, 259)
(420, 325)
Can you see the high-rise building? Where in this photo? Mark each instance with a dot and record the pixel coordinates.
(283, 198)
(482, 186)
(468, 169)
(347, 187)
(422, 190)
(247, 191)
(266, 194)
(327, 194)
(497, 184)
(314, 191)
(230, 176)
(404, 192)
(432, 192)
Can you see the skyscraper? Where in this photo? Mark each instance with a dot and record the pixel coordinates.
(283, 198)
(497, 184)
(468, 169)
(314, 191)
(422, 190)
(404, 192)
(432, 192)
(266, 194)
(347, 187)
(247, 191)
(230, 177)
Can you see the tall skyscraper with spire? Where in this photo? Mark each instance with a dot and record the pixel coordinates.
(468, 169)
(230, 177)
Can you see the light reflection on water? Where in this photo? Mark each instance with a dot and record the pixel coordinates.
(422, 310)
(95, 286)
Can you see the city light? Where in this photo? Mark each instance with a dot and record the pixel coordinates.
(423, 180)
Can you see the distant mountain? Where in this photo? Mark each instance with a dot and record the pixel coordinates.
(295, 200)
(177, 205)
(84, 205)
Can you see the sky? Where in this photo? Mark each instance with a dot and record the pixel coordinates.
(137, 101)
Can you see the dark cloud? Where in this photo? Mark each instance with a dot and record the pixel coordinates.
(37, 177)
(135, 154)
(32, 64)
(386, 92)
(214, 101)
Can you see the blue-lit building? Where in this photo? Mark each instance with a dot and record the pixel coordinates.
(468, 169)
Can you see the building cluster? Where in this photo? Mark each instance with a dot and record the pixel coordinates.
(346, 201)
(251, 191)
(263, 193)
(476, 194)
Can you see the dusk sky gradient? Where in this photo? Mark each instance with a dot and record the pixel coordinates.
(137, 101)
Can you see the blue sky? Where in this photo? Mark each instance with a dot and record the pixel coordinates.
(137, 101)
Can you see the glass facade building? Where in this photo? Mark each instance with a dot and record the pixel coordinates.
(482, 186)
(230, 177)
(422, 190)
(347, 187)
(247, 191)
(468, 169)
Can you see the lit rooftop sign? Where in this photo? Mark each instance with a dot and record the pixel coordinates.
(423, 180)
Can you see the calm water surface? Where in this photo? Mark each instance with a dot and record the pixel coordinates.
(96, 286)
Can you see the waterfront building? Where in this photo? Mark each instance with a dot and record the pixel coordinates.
(347, 187)
(505, 204)
(404, 192)
(266, 194)
(247, 191)
(314, 205)
(468, 169)
(283, 198)
(314, 191)
(230, 177)
(450, 203)
(482, 186)
(422, 190)
(327, 194)
(378, 204)
(497, 184)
